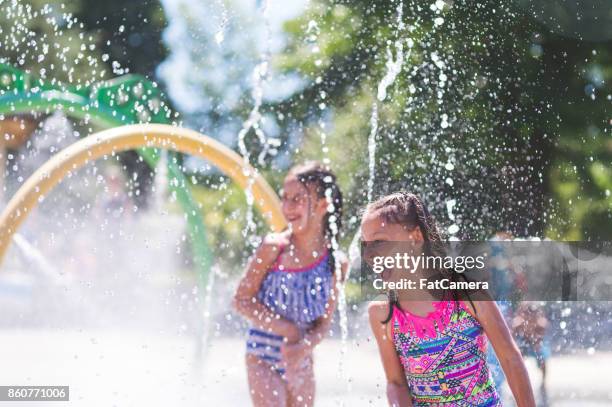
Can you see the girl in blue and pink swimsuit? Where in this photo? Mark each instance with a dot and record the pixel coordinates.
(298, 294)
(289, 290)
(433, 347)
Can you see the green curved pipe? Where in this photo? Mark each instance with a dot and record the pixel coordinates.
(126, 100)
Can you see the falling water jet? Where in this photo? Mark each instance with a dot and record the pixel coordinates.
(210, 284)
(372, 150)
(161, 183)
(203, 344)
(313, 31)
(454, 228)
(161, 190)
(220, 34)
(254, 121)
(35, 256)
(394, 67)
(340, 286)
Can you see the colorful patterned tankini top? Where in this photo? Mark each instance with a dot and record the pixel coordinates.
(444, 356)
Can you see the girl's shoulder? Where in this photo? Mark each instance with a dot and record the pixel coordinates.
(378, 311)
(482, 309)
(278, 239)
(379, 317)
(271, 247)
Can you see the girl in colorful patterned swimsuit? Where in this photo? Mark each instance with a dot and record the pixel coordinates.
(432, 344)
(289, 290)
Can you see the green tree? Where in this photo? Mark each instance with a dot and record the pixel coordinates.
(46, 39)
(489, 107)
(83, 42)
(128, 32)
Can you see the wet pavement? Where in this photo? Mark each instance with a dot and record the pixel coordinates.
(145, 368)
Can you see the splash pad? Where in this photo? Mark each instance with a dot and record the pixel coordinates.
(112, 141)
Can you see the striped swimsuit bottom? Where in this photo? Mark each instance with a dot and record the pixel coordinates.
(299, 295)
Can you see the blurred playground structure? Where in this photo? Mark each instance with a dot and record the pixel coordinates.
(126, 100)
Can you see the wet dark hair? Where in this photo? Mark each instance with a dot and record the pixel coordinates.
(320, 179)
(408, 209)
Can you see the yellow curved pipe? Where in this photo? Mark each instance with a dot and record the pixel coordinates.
(127, 138)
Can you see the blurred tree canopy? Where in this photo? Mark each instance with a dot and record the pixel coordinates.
(82, 41)
(130, 32)
(499, 120)
(45, 39)
(500, 115)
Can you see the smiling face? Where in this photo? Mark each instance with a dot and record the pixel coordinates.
(383, 238)
(302, 208)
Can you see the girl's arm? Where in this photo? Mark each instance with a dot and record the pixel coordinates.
(507, 352)
(320, 329)
(398, 393)
(245, 299)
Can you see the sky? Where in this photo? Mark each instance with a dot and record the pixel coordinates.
(201, 35)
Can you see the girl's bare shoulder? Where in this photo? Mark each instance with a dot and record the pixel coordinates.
(274, 242)
(277, 239)
(378, 310)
